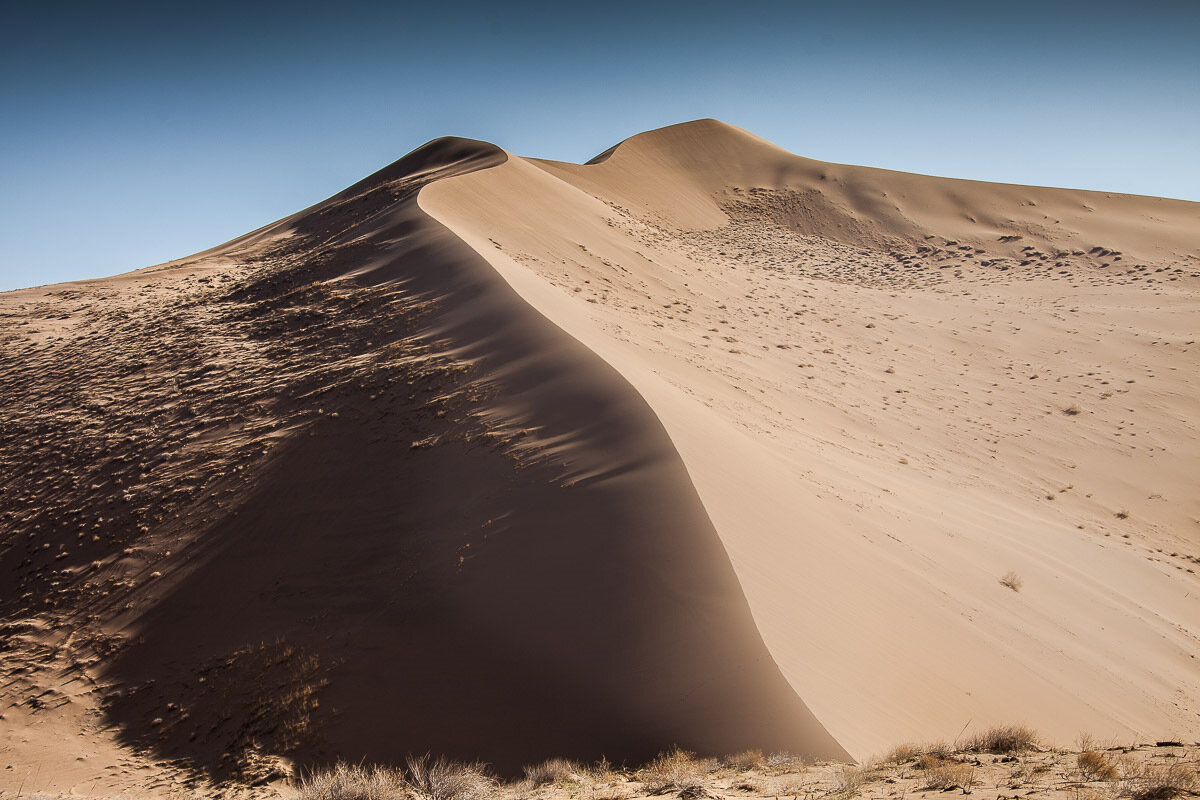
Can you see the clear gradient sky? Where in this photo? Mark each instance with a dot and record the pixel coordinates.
(134, 133)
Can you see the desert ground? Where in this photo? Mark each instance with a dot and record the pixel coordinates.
(1007, 761)
(701, 444)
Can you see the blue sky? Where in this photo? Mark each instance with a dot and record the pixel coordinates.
(134, 133)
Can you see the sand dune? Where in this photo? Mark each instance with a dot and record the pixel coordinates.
(702, 443)
(371, 503)
(891, 390)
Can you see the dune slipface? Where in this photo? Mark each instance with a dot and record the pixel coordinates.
(334, 490)
(699, 444)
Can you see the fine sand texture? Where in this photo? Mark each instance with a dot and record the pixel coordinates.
(700, 444)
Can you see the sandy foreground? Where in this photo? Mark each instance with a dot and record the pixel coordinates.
(1151, 771)
(700, 444)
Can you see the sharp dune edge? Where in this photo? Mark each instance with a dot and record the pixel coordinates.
(701, 443)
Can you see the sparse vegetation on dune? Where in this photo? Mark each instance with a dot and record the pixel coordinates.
(746, 759)
(439, 779)
(426, 779)
(353, 782)
(1094, 766)
(1163, 781)
(945, 773)
(676, 771)
(1012, 581)
(902, 753)
(847, 780)
(1004, 760)
(910, 751)
(552, 770)
(1003, 739)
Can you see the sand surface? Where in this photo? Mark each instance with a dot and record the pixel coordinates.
(702, 443)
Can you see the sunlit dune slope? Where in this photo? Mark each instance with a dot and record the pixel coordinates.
(893, 391)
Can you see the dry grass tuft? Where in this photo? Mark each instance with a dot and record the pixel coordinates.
(1157, 782)
(440, 779)
(912, 750)
(747, 759)
(353, 782)
(1012, 580)
(1025, 774)
(943, 774)
(848, 780)
(1095, 767)
(601, 772)
(609, 792)
(553, 770)
(785, 762)
(675, 771)
(1003, 739)
(747, 784)
(902, 753)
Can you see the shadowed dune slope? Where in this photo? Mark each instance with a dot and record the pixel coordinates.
(333, 490)
(891, 392)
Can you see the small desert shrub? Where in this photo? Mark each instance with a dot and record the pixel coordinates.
(675, 771)
(609, 792)
(352, 782)
(911, 750)
(1025, 774)
(794, 788)
(554, 770)
(941, 773)
(848, 780)
(1163, 782)
(1012, 580)
(1095, 767)
(1071, 411)
(600, 772)
(749, 785)
(747, 759)
(1003, 739)
(785, 762)
(902, 753)
(448, 780)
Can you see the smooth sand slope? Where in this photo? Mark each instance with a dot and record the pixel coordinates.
(335, 490)
(891, 391)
